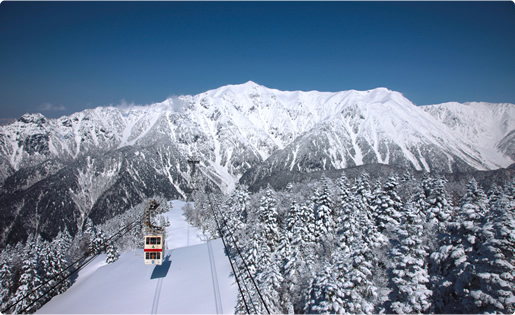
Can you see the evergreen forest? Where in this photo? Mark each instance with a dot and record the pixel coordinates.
(398, 245)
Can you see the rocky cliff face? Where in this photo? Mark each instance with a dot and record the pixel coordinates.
(97, 163)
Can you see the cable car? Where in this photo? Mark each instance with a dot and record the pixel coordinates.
(153, 249)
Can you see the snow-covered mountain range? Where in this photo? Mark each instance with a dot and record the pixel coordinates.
(100, 162)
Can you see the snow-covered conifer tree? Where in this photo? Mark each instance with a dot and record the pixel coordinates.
(29, 281)
(324, 216)
(98, 243)
(344, 197)
(324, 295)
(6, 284)
(453, 264)
(388, 205)
(293, 218)
(268, 273)
(60, 247)
(289, 255)
(494, 194)
(363, 201)
(248, 268)
(491, 285)
(268, 213)
(359, 294)
(410, 277)
(307, 216)
(350, 228)
(433, 201)
(287, 263)
(307, 244)
(360, 243)
(235, 213)
(366, 218)
(270, 280)
(111, 253)
(86, 237)
(474, 202)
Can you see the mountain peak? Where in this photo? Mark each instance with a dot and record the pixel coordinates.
(35, 118)
(250, 83)
(234, 88)
(245, 86)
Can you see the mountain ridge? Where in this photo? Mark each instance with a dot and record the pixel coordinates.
(240, 133)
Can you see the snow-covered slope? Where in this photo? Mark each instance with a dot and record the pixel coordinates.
(382, 126)
(236, 126)
(485, 125)
(102, 161)
(195, 279)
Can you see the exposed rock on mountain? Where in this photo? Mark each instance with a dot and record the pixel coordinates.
(97, 163)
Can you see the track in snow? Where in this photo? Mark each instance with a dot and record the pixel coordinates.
(214, 278)
(157, 294)
(190, 279)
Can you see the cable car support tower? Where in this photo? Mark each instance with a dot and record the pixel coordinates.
(192, 161)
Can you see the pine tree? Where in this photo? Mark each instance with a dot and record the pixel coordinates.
(348, 227)
(46, 271)
(363, 195)
(344, 198)
(454, 264)
(307, 243)
(268, 212)
(363, 204)
(61, 262)
(98, 244)
(27, 291)
(256, 253)
(287, 268)
(268, 273)
(270, 280)
(6, 284)
(492, 288)
(410, 277)
(366, 218)
(235, 213)
(289, 249)
(494, 194)
(436, 205)
(307, 216)
(359, 271)
(388, 205)
(324, 295)
(293, 219)
(324, 216)
(359, 294)
(474, 202)
(111, 253)
(248, 269)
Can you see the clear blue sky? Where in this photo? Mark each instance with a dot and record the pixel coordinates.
(62, 57)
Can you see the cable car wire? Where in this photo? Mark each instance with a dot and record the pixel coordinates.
(246, 267)
(239, 252)
(230, 261)
(116, 236)
(128, 227)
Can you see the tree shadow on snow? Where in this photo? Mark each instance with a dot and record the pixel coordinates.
(160, 271)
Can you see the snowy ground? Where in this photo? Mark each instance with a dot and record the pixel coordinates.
(194, 279)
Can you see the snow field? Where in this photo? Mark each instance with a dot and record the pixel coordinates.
(180, 233)
(194, 279)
